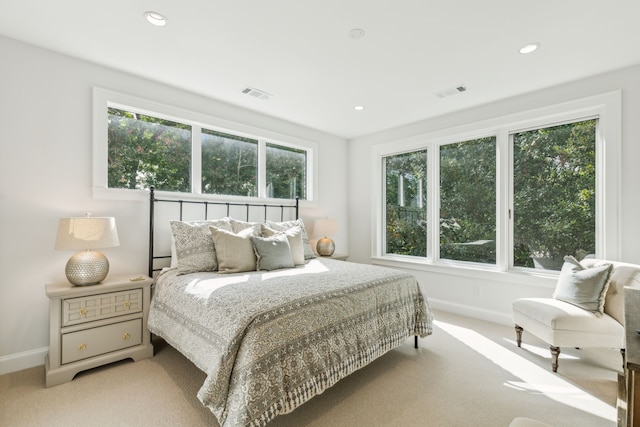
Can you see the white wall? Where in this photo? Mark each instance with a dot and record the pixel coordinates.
(448, 288)
(45, 174)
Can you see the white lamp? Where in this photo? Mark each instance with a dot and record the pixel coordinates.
(87, 267)
(325, 227)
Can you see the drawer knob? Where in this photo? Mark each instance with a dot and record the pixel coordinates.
(127, 304)
(126, 336)
(83, 311)
(82, 347)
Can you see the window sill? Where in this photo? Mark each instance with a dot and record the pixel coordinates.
(529, 277)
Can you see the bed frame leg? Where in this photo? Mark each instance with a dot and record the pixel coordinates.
(416, 342)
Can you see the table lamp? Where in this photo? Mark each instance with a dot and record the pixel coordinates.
(87, 267)
(325, 227)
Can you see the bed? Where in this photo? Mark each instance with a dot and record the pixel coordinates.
(271, 338)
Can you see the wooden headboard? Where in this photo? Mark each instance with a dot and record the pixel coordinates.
(276, 212)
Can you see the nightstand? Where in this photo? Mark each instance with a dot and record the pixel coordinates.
(90, 326)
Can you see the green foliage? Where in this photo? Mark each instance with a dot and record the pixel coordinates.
(147, 151)
(406, 203)
(554, 192)
(554, 197)
(286, 172)
(406, 231)
(468, 201)
(229, 164)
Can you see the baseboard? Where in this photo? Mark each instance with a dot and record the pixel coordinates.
(24, 360)
(471, 311)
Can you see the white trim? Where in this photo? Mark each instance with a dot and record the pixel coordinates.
(24, 360)
(606, 106)
(196, 159)
(103, 98)
(473, 312)
(538, 278)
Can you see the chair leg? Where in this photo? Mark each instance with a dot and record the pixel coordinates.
(624, 359)
(519, 335)
(555, 352)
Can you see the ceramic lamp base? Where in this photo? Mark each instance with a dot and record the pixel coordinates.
(87, 268)
(325, 247)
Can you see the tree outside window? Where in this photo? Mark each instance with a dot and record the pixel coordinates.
(554, 198)
(468, 201)
(148, 151)
(286, 172)
(554, 194)
(229, 164)
(406, 196)
(145, 151)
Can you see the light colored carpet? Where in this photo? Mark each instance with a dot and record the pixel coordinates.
(468, 373)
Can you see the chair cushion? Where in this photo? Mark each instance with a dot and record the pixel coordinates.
(562, 324)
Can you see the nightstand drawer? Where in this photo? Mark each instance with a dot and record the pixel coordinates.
(93, 342)
(101, 306)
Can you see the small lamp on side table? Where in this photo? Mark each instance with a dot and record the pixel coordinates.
(87, 267)
(325, 227)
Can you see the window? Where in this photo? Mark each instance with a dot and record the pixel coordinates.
(554, 194)
(286, 172)
(515, 192)
(143, 144)
(468, 201)
(229, 164)
(406, 190)
(146, 151)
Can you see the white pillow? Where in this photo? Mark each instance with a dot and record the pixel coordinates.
(285, 225)
(583, 287)
(294, 236)
(234, 252)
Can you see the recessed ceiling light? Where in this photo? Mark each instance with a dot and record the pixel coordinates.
(356, 33)
(155, 18)
(359, 107)
(530, 48)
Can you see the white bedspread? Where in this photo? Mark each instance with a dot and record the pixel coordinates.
(270, 341)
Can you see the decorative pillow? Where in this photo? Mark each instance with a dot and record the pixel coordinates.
(239, 225)
(285, 225)
(294, 236)
(273, 252)
(584, 287)
(235, 252)
(194, 250)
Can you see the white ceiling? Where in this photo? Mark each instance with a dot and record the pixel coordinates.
(301, 52)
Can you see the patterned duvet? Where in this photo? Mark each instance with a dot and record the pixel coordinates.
(270, 341)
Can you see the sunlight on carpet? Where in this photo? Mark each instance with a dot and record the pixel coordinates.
(543, 352)
(534, 378)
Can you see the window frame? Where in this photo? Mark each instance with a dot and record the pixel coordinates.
(605, 107)
(103, 98)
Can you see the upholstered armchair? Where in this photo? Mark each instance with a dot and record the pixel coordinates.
(573, 317)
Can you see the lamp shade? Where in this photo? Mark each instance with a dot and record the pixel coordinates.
(87, 233)
(325, 227)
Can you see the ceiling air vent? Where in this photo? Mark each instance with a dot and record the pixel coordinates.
(451, 91)
(257, 93)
